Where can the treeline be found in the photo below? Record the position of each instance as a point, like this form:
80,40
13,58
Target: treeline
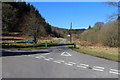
24,18
106,34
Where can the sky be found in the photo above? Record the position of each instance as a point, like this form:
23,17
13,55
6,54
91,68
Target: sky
81,14
70,0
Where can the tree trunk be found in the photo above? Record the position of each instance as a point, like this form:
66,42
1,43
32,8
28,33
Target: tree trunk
35,39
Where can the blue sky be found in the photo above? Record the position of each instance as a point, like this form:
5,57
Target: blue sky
81,14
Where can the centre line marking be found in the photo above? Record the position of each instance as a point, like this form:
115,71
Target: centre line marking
37,57
114,72
69,64
61,61
81,66
42,57
47,59
84,65
97,69
57,62
51,58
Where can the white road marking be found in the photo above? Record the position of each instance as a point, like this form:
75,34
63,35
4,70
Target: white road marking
114,72
51,58
45,54
47,59
81,66
61,61
68,64
28,55
65,54
98,67
42,57
57,62
37,57
84,65
71,62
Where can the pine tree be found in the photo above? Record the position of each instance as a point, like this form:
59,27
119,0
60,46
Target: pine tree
89,27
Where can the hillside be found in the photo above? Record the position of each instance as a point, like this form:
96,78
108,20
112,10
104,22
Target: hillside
18,17
24,18
105,34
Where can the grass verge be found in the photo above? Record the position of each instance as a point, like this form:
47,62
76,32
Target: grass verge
20,44
102,52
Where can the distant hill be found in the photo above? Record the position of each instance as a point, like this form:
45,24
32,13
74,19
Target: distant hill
78,31
64,32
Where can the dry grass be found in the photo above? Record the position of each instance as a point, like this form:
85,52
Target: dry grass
97,47
108,50
97,50
20,41
11,37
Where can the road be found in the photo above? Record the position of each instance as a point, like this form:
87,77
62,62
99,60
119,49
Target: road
58,62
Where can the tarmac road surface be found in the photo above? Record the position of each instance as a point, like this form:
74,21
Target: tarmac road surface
57,62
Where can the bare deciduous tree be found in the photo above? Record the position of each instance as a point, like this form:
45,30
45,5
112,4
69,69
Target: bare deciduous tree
114,4
32,25
116,14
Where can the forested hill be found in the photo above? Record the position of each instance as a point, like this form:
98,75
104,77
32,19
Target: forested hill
24,18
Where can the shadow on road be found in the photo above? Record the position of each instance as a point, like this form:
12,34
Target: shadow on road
6,53
15,46
41,45
64,44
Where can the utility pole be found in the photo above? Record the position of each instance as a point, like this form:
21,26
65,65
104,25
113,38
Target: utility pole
71,32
